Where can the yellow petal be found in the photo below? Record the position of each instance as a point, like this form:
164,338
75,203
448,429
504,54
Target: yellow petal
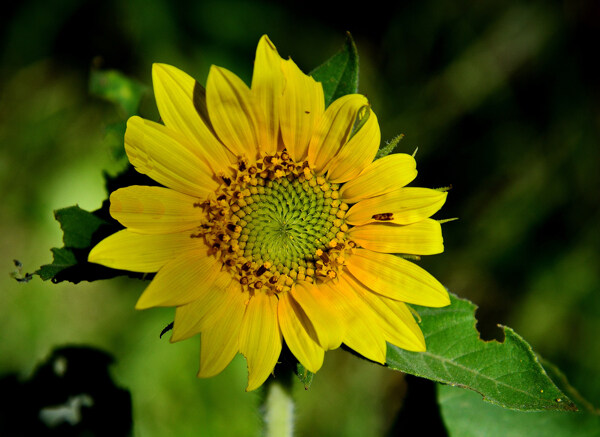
421,238
267,86
166,157
219,342
397,278
295,327
190,318
301,108
403,206
127,250
323,312
260,338
358,152
218,346
155,210
411,337
235,297
382,176
396,321
334,129
363,333
178,97
180,281
232,110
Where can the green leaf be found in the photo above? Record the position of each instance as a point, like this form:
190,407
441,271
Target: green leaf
507,374
563,384
339,74
114,86
82,230
304,375
78,226
63,258
465,415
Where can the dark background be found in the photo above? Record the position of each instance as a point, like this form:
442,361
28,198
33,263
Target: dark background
501,98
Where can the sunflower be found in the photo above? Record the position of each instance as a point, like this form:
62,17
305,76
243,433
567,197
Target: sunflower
274,223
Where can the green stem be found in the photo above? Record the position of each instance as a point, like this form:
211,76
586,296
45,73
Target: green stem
278,410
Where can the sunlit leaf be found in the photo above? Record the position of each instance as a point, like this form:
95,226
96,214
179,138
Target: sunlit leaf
507,374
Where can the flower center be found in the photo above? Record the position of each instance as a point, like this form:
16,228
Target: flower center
275,222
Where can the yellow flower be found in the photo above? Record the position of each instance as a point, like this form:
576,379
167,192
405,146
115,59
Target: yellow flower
274,224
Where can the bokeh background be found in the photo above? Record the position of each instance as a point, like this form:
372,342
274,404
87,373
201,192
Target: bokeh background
501,99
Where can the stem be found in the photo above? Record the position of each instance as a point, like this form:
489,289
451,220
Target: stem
278,410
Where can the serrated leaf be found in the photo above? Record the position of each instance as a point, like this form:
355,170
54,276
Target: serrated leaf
465,415
339,74
114,86
507,374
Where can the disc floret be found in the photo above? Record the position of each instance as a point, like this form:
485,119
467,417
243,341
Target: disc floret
273,222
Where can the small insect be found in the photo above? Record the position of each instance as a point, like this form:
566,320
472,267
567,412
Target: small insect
386,216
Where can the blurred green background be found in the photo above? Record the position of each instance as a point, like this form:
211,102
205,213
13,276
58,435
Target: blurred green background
501,98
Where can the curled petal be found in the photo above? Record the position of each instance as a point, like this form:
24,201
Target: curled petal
382,176
358,152
333,130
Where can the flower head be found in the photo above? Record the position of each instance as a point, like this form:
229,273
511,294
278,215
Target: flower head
274,223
